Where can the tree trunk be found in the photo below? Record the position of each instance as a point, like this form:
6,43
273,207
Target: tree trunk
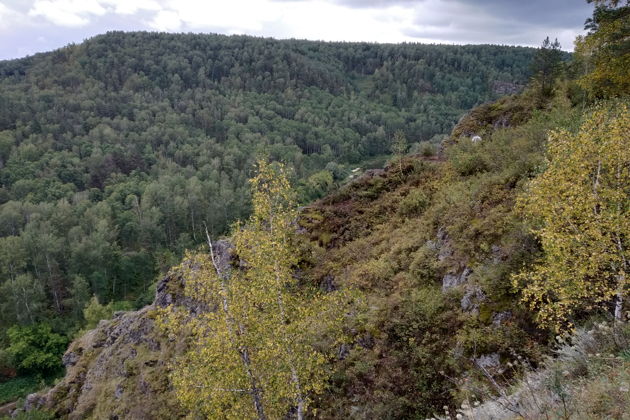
300,398
52,285
621,280
619,307
256,391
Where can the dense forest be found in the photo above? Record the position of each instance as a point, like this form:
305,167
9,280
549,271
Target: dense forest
203,226
117,153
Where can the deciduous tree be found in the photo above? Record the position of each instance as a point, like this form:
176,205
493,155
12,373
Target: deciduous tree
260,348
580,211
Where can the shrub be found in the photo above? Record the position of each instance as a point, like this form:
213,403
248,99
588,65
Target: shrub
36,349
414,203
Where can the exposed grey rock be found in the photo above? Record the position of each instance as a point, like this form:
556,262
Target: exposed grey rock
33,401
329,283
472,298
344,351
119,391
490,362
500,317
444,251
440,245
505,88
497,254
451,280
170,290
118,314
71,358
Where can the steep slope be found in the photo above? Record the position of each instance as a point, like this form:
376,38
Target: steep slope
433,244
430,240
119,370
114,153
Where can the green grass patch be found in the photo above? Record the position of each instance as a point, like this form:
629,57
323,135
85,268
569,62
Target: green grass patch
18,387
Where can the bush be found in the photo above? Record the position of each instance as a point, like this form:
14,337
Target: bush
94,312
414,203
32,415
36,349
424,148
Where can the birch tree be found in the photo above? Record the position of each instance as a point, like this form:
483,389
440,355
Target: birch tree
260,348
580,211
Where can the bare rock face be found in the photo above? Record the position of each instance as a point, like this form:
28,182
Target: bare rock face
451,280
505,88
489,362
119,370
107,365
473,297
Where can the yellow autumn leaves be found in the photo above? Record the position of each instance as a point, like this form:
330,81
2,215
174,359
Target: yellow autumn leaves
579,208
260,347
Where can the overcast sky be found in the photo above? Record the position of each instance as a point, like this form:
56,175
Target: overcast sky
30,26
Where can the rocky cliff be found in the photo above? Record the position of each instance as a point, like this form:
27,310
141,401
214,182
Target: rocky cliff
119,370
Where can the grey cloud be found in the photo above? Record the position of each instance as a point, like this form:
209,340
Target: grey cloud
501,22
375,4
561,13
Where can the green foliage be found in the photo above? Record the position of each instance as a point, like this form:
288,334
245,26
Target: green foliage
414,203
36,349
579,210
425,148
603,55
396,238
317,185
547,67
25,300
32,415
261,351
12,389
95,311
115,153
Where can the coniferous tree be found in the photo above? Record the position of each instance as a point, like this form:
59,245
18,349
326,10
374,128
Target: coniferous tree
547,66
605,50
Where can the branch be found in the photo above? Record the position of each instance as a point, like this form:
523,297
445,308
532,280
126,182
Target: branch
212,257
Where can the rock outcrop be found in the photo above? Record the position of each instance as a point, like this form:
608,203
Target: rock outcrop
119,370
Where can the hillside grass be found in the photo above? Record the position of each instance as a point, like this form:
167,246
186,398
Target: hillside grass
19,387
395,234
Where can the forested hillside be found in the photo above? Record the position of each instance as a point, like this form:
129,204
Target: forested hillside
116,153
484,279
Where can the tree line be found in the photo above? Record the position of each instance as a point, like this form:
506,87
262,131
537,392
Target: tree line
114,153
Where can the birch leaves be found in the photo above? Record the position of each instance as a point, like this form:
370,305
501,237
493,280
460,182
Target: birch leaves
580,209
259,347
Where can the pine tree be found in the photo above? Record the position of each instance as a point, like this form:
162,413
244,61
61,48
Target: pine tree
605,50
547,66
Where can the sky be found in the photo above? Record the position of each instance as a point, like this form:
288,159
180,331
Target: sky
31,26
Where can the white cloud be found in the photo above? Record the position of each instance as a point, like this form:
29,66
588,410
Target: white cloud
67,12
130,7
7,16
316,19
166,20
445,21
